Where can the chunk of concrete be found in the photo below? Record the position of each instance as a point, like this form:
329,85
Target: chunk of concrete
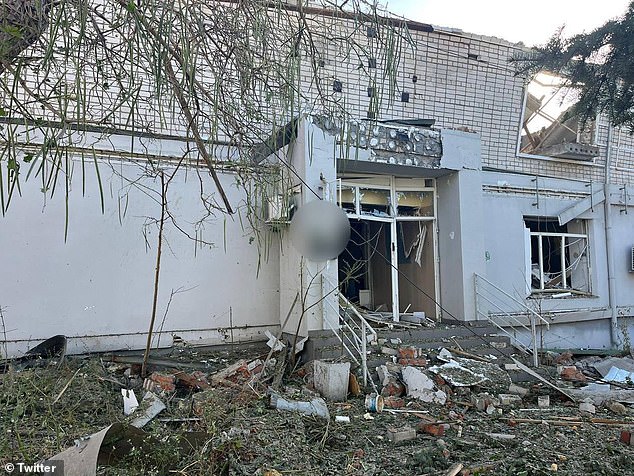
587,407
396,435
331,379
422,387
384,374
484,401
507,399
518,390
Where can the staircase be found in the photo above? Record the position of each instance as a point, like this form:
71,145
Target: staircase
479,338
503,326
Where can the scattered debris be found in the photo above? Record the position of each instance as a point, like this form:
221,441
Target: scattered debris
509,399
158,381
616,366
618,408
353,385
572,374
222,403
274,343
52,348
455,469
374,403
540,378
433,428
518,390
501,436
463,372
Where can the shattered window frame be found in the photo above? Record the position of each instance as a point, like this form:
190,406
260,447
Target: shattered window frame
558,249
545,134
394,192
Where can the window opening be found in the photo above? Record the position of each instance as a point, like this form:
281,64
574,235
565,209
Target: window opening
558,256
547,129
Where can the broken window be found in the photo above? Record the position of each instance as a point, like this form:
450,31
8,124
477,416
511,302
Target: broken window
547,129
415,203
348,199
375,202
559,257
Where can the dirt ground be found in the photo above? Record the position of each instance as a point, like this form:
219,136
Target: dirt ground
43,410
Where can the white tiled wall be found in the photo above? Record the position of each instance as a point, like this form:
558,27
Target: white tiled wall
464,81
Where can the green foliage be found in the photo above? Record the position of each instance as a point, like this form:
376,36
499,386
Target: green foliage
599,65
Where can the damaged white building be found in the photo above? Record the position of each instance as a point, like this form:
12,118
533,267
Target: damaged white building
468,196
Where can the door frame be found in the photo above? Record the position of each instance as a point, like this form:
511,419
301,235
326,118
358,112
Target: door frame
395,185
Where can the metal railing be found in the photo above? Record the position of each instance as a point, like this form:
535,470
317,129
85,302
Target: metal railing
354,333
503,311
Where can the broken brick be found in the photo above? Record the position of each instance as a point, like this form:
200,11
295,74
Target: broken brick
626,437
572,374
432,429
393,402
166,382
407,352
413,362
565,358
195,379
393,388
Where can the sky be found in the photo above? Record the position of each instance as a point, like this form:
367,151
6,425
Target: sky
532,22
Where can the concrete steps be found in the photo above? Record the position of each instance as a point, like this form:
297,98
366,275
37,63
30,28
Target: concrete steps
477,338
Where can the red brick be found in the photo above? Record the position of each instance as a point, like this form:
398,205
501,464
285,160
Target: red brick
413,362
626,437
393,389
573,374
196,379
393,402
407,353
432,429
165,382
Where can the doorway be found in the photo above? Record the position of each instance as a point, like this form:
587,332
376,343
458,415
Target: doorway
389,264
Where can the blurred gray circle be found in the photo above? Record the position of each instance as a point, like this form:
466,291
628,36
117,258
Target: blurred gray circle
320,230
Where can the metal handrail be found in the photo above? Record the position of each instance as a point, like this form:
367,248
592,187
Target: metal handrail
531,314
510,316
359,344
357,314
524,306
518,343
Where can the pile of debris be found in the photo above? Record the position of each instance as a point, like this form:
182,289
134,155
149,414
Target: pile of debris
262,411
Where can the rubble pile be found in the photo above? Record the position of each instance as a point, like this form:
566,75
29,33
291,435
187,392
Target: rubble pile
262,411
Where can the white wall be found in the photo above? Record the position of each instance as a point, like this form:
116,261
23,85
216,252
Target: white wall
97,286
506,208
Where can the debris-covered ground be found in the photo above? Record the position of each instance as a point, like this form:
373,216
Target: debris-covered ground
442,415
